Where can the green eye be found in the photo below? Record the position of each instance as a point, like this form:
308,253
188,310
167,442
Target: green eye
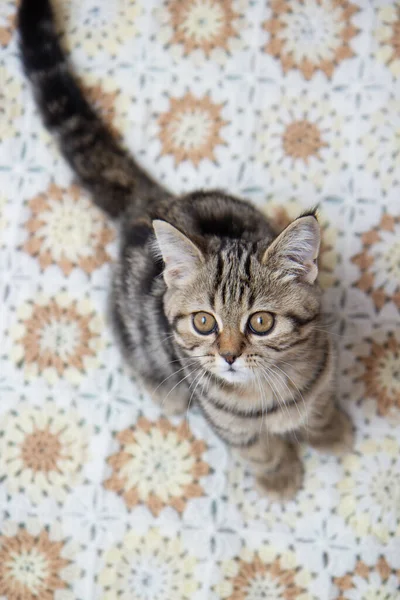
261,323
204,323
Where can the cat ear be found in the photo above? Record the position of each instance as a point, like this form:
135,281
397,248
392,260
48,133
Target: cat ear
181,256
295,250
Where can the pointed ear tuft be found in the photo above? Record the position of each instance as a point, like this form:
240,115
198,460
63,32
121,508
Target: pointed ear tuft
295,250
181,256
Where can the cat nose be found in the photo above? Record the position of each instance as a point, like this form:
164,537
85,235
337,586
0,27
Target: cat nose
229,358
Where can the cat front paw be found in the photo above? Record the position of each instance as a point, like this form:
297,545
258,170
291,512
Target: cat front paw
283,484
336,438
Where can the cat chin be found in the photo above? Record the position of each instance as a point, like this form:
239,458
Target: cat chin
234,376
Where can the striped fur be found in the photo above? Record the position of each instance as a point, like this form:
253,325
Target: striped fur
212,253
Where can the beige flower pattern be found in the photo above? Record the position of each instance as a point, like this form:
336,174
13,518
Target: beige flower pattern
380,145
379,262
387,34
65,229
370,489
249,509
191,129
98,26
43,451
311,36
33,564
143,567
379,582
159,465
11,109
57,337
209,28
281,214
263,573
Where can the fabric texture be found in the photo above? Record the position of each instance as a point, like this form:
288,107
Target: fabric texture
289,104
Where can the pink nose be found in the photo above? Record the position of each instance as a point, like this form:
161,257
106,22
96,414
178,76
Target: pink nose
229,358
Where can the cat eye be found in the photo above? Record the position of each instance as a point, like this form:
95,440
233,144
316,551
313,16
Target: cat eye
204,323
261,323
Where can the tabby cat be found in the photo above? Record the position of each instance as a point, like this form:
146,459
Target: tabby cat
209,303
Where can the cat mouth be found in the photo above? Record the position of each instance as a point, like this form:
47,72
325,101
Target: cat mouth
233,375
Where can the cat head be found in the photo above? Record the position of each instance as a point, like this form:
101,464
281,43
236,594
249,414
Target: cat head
240,308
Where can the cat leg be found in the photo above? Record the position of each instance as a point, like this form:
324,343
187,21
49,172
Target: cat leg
329,429
276,465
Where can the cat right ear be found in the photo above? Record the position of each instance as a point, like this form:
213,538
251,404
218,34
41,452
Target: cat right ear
295,251
180,255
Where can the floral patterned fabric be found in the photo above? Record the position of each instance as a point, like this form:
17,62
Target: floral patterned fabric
290,103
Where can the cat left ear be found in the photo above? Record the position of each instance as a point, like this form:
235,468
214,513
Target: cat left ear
181,256
295,250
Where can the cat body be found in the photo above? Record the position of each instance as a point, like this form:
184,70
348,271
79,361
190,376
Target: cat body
209,303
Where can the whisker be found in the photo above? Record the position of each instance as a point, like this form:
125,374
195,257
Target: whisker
300,394
341,335
185,358
199,378
176,385
280,378
280,398
261,398
171,375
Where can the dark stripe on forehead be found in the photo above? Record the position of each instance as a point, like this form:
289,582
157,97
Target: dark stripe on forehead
247,263
219,269
234,271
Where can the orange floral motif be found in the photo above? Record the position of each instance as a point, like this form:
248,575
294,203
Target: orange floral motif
302,139
263,574
56,337
158,464
202,24
67,230
379,581
31,566
42,451
268,577
191,129
379,262
299,139
382,373
311,36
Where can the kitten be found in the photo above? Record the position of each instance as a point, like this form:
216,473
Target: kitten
209,304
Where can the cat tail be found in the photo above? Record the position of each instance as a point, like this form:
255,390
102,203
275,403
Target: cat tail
101,164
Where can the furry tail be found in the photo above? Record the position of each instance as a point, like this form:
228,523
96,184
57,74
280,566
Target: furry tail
94,154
